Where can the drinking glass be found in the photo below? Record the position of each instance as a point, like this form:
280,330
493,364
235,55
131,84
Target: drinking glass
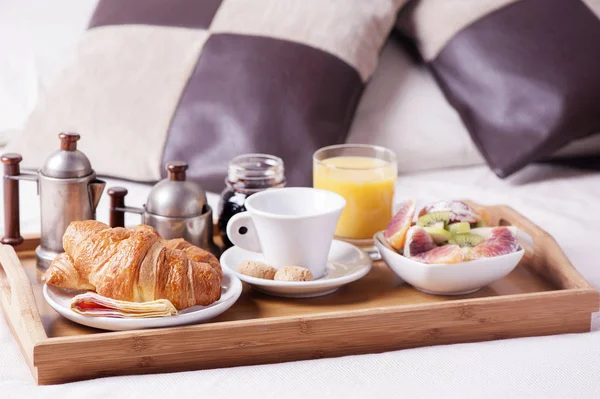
365,175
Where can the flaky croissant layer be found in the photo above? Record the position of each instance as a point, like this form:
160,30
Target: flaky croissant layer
135,265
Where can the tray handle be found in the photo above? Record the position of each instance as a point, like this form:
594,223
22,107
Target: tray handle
545,257
18,301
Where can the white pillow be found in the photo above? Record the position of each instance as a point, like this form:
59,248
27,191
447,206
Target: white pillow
37,36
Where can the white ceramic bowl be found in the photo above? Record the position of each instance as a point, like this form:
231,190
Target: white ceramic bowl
450,279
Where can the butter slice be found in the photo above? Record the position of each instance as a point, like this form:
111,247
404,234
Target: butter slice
92,304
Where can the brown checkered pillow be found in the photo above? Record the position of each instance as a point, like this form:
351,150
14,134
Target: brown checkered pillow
523,74
203,81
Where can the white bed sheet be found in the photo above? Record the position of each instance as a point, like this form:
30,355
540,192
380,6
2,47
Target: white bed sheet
562,201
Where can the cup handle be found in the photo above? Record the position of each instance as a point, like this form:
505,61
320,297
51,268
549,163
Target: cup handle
242,233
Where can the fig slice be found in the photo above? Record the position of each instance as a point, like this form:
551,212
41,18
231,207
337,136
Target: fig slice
395,233
486,232
459,211
440,206
445,254
417,241
501,241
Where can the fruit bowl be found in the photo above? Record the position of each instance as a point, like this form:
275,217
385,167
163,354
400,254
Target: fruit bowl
450,279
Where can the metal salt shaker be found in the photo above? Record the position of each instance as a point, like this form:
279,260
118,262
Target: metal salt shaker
176,208
68,190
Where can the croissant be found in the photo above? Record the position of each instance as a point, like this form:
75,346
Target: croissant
135,265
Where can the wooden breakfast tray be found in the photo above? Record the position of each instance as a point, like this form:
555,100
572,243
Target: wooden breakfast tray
544,295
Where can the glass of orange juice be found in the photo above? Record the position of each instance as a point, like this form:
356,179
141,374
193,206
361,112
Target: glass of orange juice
365,175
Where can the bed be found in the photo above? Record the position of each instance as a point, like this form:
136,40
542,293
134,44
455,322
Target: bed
561,200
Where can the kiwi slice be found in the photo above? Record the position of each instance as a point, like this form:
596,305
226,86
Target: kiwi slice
459,228
434,219
439,235
467,239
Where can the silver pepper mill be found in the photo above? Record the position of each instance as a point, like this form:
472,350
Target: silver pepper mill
176,208
68,190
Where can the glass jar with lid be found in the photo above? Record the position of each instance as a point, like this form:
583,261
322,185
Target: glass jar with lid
246,175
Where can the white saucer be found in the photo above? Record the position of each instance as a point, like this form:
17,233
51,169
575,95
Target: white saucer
346,263
60,300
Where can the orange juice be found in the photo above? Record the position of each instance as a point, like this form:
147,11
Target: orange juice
367,184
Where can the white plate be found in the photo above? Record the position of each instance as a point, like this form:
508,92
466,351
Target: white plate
450,279
60,300
345,264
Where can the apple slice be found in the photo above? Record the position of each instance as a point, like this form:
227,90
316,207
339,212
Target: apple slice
459,228
439,235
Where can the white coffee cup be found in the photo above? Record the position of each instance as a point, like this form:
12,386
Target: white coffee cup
291,226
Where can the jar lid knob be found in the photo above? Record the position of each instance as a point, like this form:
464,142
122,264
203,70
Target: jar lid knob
177,170
68,141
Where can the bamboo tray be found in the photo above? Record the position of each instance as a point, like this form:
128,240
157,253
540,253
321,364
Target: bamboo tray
544,295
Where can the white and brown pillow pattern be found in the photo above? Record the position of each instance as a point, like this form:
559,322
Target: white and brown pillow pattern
203,81
523,74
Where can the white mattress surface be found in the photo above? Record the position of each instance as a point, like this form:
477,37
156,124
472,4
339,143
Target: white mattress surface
562,201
